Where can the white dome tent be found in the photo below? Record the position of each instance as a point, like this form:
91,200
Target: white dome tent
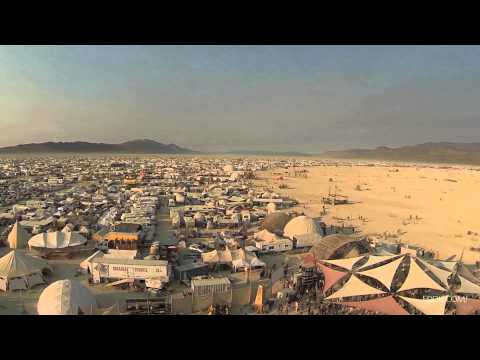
300,225
58,241
66,297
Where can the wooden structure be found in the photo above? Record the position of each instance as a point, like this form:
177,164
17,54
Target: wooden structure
122,240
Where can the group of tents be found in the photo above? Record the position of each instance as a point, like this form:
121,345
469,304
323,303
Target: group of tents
44,243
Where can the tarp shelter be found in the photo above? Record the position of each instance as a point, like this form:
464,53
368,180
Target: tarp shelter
418,279
19,271
66,297
431,306
384,273
354,287
18,237
385,305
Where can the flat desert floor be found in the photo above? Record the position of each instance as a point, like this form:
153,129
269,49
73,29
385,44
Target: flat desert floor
435,208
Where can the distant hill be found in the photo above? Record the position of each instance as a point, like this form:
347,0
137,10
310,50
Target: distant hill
143,146
267,153
441,152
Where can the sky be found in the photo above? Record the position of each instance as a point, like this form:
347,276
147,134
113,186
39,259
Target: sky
227,98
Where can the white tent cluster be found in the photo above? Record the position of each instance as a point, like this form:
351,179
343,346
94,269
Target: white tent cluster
384,270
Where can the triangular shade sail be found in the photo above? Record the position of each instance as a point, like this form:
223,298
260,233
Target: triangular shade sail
331,276
418,279
450,265
384,273
434,306
355,287
468,287
468,307
385,305
375,259
344,263
442,275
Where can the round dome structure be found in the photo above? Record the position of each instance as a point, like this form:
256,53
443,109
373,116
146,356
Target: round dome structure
275,222
300,225
66,297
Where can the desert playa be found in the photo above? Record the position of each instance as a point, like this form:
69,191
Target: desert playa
431,206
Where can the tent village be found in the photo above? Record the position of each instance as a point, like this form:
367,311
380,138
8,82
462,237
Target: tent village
201,236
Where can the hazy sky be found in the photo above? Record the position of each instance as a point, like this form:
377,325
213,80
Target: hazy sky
216,98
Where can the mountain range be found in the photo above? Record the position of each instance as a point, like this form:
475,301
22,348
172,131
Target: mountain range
432,152
143,146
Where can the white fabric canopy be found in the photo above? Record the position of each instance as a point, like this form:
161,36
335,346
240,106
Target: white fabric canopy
355,287
434,306
417,278
344,263
442,275
450,265
384,273
57,240
66,297
468,287
375,259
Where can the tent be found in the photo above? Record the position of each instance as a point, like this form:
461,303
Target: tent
18,237
20,272
66,297
51,241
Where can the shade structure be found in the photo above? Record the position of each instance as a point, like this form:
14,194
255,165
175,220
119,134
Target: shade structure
344,263
468,306
441,274
331,276
265,235
57,240
450,265
433,306
384,273
18,237
355,287
468,287
375,259
418,279
66,297
385,305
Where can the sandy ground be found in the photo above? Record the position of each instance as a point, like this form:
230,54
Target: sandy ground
446,202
